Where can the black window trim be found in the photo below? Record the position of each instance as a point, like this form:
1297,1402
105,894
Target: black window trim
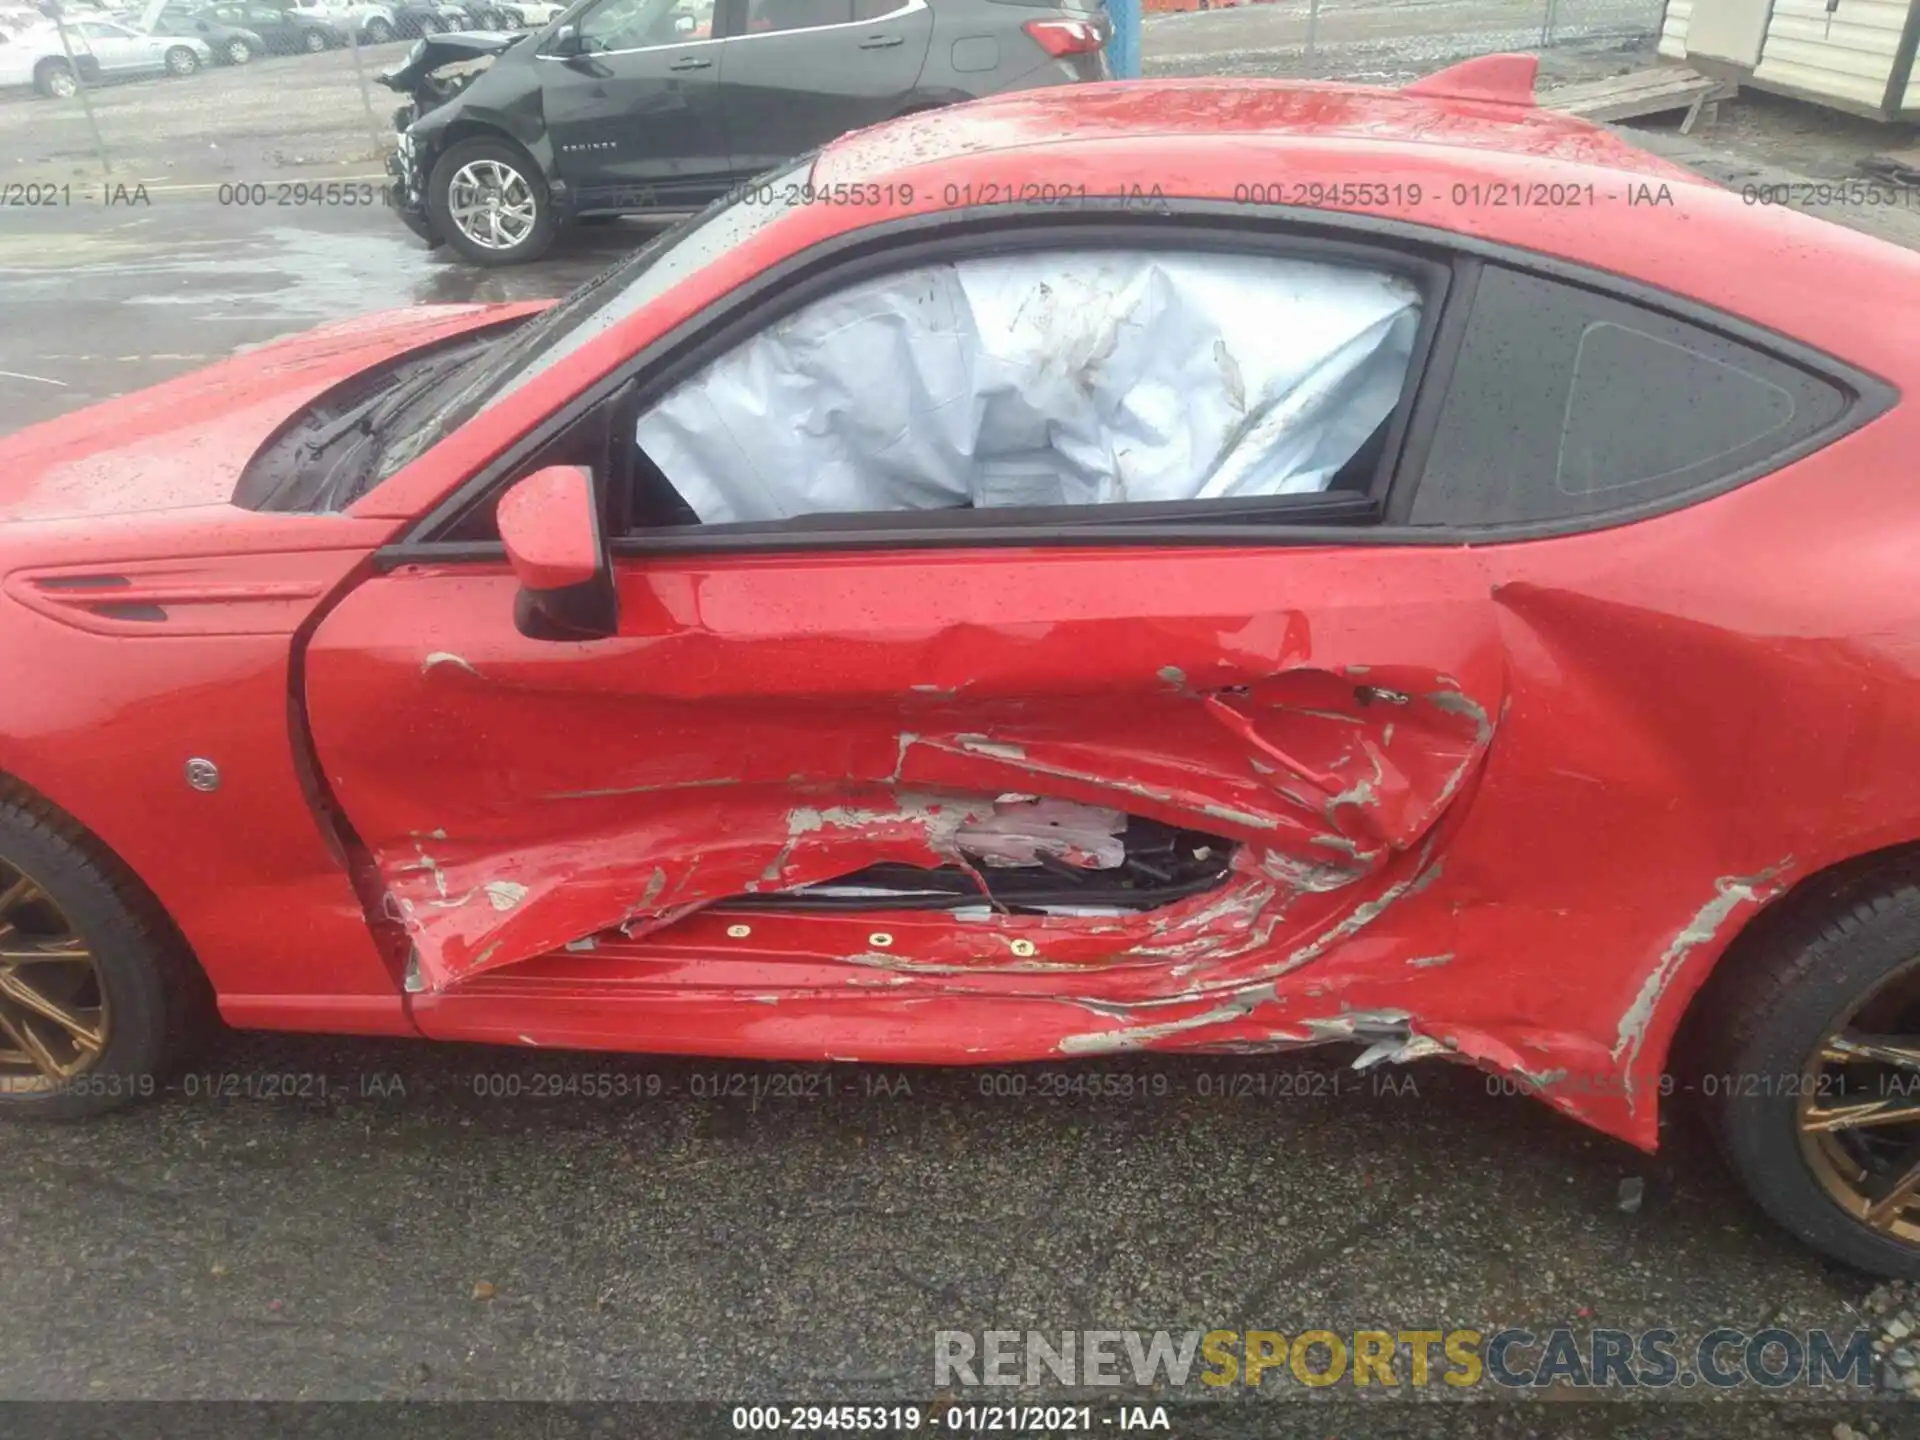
1220,225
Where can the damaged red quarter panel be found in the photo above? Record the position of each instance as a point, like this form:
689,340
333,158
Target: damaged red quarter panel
1205,616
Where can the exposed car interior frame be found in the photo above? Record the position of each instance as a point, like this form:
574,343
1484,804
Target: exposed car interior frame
1336,517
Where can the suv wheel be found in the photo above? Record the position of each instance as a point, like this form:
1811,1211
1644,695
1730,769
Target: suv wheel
379,32
490,202
314,41
239,52
182,61
1812,1075
55,78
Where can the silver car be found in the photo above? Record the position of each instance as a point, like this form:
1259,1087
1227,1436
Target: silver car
102,49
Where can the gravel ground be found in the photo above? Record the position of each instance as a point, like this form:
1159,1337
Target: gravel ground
290,115
456,1225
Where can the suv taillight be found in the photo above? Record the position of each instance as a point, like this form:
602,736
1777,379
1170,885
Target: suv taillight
1065,37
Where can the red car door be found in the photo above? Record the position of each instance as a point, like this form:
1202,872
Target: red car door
767,721
780,717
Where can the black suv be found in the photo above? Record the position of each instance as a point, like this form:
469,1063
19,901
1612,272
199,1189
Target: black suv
632,106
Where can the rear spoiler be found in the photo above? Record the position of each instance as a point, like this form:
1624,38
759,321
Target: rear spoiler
1490,79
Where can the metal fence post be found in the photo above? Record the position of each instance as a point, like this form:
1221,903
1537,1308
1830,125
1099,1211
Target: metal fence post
360,74
1313,35
55,12
1124,49
1546,24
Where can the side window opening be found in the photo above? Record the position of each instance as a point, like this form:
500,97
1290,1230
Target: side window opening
1036,380
634,25
1565,404
767,16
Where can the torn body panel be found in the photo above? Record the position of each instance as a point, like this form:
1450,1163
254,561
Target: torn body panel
769,724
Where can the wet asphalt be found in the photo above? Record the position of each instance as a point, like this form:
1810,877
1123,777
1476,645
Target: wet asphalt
331,1219
324,1219
97,300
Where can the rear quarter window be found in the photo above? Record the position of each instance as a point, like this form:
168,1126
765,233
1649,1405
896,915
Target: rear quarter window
1566,404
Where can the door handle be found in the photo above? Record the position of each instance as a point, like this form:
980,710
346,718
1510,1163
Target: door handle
881,42
691,62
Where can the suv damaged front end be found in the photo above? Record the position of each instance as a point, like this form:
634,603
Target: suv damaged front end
437,70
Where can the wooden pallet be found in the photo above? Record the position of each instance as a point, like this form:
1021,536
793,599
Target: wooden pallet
1900,166
1653,91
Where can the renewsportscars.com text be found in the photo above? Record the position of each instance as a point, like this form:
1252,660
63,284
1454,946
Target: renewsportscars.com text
1512,1358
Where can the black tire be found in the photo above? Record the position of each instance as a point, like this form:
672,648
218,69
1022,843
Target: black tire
238,52
485,150
181,61
313,42
419,226
55,79
1767,1008
379,32
160,1005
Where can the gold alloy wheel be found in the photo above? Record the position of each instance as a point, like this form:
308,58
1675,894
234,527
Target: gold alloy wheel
1859,1108
53,1011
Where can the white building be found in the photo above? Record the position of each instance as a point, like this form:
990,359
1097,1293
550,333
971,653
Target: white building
1855,55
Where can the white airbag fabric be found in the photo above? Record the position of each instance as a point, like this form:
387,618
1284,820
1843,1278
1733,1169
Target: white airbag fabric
1051,378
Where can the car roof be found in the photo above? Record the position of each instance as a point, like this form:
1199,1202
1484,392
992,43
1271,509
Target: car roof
1464,154
1447,109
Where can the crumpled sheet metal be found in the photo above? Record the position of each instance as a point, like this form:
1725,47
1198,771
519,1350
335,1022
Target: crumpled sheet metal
531,879
1055,378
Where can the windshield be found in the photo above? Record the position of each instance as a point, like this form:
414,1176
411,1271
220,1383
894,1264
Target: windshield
597,306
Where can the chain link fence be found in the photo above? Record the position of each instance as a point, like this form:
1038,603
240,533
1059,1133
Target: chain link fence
323,117
1389,42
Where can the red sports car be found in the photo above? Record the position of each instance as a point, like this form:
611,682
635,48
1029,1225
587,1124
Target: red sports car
1191,566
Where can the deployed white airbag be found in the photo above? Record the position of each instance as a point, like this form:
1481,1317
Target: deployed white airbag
1048,378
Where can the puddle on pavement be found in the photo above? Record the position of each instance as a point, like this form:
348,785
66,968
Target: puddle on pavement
290,274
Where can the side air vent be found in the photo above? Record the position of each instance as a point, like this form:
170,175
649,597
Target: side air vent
266,594
82,588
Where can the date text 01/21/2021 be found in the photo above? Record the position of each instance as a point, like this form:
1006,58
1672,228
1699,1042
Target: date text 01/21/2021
1362,194
283,194
1049,1420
